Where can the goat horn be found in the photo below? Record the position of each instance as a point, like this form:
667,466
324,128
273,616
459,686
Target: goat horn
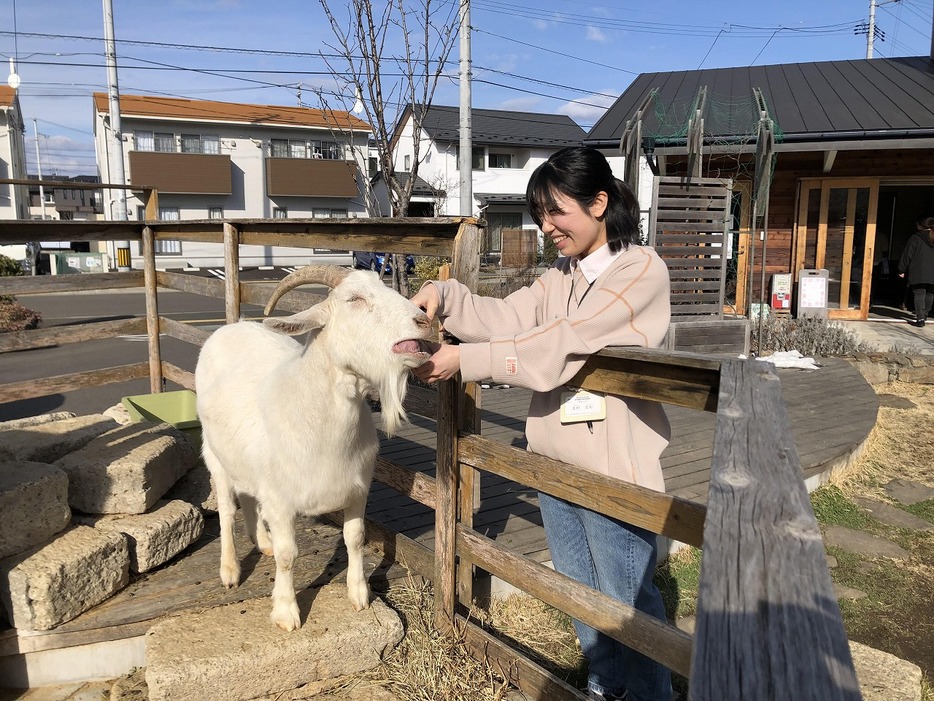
330,275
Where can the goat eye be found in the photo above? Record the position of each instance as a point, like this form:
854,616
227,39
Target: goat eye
357,299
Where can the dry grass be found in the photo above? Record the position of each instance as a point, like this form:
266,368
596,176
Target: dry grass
901,445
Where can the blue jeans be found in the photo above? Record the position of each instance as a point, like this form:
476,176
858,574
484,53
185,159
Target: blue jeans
617,559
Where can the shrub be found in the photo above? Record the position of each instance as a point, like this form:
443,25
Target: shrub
9,267
426,267
808,335
13,315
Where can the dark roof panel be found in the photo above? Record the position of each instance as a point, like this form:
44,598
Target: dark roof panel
867,97
493,127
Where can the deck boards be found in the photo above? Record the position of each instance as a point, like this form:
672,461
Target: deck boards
831,412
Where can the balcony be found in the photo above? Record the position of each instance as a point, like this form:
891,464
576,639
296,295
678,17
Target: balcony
181,173
307,177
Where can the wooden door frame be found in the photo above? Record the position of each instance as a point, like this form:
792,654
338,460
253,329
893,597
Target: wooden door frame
805,185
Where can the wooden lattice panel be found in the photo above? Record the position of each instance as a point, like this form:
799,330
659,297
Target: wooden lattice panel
688,227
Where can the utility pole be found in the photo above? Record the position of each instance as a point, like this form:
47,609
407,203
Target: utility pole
118,172
871,27
35,125
465,158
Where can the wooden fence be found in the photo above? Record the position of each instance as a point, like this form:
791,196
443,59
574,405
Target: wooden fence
768,626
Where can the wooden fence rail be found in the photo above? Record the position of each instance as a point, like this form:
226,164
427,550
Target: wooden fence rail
767,627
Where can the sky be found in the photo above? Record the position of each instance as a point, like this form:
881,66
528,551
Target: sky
572,57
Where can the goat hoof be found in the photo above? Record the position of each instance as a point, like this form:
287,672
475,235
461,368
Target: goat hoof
230,577
287,619
359,597
266,551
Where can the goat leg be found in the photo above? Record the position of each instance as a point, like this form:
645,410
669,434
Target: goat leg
284,606
357,589
255,528
226,511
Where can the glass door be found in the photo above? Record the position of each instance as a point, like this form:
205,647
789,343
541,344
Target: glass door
836,231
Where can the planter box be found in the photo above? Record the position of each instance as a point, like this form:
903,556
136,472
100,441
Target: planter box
176,408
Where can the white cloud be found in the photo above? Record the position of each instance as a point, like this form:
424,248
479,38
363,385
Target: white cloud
587,109
529,103
595,34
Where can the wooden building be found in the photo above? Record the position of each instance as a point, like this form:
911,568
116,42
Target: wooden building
830,164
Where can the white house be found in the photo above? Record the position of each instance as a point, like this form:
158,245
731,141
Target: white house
507,147
221,160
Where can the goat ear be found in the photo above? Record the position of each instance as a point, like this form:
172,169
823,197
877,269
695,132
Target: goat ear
300,323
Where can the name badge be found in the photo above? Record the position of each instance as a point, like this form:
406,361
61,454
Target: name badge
581,405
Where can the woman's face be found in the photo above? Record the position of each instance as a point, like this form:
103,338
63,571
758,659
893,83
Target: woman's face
576,231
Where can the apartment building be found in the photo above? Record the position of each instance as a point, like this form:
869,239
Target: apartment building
222,160
507,147
14,199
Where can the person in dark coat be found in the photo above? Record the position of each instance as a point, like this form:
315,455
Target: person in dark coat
918,262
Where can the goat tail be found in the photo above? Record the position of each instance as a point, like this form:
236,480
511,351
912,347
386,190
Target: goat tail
391,398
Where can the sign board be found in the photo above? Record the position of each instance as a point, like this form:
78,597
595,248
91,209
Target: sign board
781,291
812,293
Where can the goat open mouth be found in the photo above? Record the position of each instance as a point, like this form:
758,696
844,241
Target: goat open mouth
411,346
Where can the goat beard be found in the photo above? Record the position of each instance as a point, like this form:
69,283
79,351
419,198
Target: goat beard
391,396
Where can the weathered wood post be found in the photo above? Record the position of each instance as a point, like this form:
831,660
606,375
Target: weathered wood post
231,273
152,310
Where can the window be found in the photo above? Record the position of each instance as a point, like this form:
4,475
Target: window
288,148
280,213
215,212
320,213
500,160
329,150
211,144
408,164
164,142
279,148
191,143
338,214
143,141
476,158
163,247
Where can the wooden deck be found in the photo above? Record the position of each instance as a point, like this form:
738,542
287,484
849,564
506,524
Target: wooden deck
831,412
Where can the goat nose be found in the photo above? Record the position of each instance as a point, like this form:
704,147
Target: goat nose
422,320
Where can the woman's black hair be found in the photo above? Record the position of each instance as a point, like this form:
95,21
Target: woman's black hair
581,173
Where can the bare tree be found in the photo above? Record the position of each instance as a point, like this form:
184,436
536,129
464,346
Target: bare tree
393,57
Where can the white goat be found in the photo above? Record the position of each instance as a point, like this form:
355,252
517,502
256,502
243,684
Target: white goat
287,427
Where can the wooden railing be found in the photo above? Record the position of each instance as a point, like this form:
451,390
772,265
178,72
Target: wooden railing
768,626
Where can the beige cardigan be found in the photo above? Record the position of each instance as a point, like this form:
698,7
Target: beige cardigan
539,338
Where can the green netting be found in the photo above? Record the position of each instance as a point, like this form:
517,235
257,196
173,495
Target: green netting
728,121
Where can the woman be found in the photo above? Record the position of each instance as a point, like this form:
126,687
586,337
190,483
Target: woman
604,291
918,262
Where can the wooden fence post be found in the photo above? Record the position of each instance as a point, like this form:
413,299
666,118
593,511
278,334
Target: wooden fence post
231,273
152,310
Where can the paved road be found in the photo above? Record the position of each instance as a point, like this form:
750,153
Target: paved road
65,309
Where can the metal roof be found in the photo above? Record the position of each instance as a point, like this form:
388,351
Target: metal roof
501,127
859,100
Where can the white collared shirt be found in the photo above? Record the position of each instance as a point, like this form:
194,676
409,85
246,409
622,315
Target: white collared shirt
594,264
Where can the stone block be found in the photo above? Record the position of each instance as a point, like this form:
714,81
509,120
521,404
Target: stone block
36,420
883,676
128,469
53,583
234,652
155,537
52,440
923,375
873,373
33,504
197,488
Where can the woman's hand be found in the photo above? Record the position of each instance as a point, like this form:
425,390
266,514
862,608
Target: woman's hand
444,363
427,299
